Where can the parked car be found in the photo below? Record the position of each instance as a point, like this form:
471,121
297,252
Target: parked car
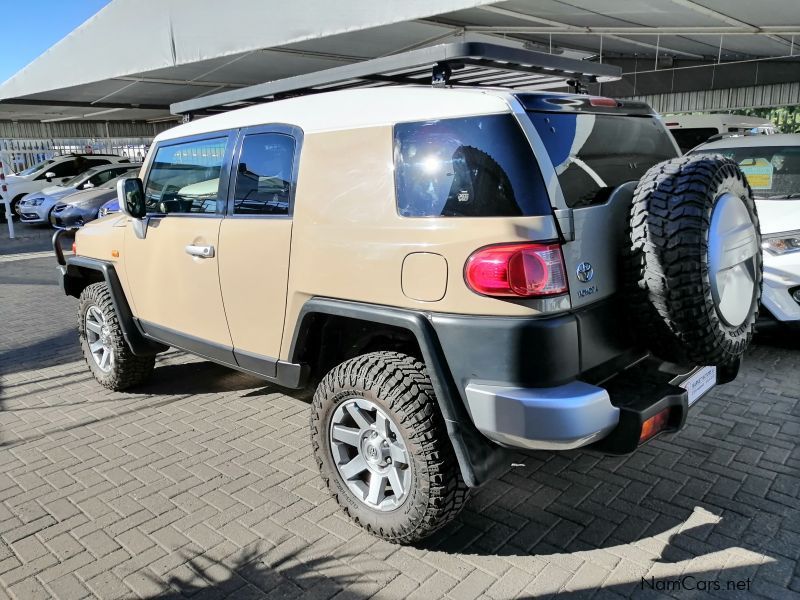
36,207
442,270
109,207
692,130
53,171
772,167
79,208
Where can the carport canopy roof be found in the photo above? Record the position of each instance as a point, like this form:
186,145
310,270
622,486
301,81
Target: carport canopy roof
135,58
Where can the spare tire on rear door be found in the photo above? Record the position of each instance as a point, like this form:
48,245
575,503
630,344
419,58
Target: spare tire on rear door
694,265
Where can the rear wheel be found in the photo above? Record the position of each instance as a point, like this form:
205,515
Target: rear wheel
382,447
109,358
695,265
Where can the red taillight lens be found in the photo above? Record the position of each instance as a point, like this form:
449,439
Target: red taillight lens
520,270
74,248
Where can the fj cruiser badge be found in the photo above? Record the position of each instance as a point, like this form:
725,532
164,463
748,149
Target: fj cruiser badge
585,272
463,196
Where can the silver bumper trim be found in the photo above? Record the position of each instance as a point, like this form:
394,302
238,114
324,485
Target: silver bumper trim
556,418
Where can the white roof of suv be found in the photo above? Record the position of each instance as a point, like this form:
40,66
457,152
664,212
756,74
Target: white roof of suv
349,109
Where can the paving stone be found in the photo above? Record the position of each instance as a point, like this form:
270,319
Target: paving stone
202,483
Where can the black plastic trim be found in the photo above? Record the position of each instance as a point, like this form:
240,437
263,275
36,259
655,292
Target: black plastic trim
478,458
288,375
72,282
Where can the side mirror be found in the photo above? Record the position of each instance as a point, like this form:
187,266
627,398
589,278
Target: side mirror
130,194
49,176
87,186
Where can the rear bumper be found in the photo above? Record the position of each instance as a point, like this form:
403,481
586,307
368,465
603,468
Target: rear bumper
558,418
578,414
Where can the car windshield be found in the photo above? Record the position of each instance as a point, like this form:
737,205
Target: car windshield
772,171
81,177
36,167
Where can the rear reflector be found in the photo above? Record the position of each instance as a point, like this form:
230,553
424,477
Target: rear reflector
518,270
654,424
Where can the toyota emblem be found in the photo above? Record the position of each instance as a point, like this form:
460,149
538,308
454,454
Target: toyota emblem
585,272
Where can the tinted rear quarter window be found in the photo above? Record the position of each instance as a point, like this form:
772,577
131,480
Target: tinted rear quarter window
467,167
594,153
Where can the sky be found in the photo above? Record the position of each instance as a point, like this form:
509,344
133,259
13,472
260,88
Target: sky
29,28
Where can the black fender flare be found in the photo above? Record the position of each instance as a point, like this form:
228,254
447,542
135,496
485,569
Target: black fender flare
478,458
73,282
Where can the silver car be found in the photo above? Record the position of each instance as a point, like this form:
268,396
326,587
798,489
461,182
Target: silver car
79,208
36,207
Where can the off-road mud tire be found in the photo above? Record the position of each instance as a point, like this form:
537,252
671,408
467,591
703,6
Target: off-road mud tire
667,264
399,385
127,369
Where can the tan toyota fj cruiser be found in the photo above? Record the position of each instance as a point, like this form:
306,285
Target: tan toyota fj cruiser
456,271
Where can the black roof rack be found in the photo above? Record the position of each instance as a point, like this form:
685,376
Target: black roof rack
457,64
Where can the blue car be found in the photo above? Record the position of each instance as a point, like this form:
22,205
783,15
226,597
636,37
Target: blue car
109,207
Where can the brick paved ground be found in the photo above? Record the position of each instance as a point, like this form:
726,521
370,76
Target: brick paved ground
201,484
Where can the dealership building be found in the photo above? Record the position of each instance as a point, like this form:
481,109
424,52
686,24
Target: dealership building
138,67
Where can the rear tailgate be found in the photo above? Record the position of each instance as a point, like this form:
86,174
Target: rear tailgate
599,148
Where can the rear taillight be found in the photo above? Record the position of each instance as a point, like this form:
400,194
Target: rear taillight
74,247
518,270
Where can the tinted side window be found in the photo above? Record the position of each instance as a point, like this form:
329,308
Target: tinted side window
96,162
264,175
592,154
108,175
693,136
184,178
468,167
68,168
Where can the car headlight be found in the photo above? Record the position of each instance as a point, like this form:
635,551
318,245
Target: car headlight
36,201
782,244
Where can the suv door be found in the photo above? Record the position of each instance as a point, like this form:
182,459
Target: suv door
255,240
172,273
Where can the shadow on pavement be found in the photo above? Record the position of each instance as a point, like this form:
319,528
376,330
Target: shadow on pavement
251,573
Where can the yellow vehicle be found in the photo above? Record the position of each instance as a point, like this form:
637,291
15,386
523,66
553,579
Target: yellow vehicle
444,266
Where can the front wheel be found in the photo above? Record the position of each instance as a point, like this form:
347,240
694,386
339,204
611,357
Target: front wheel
382,448
109,358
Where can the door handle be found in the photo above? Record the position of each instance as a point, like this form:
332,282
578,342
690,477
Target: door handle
200,251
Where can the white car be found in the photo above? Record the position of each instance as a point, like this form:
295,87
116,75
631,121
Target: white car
36,207
53,171
772,167
691,130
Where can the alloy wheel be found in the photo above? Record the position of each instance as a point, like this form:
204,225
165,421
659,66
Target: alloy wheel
370,454
98,336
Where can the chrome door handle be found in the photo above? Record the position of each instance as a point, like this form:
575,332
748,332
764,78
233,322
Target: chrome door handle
200,251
